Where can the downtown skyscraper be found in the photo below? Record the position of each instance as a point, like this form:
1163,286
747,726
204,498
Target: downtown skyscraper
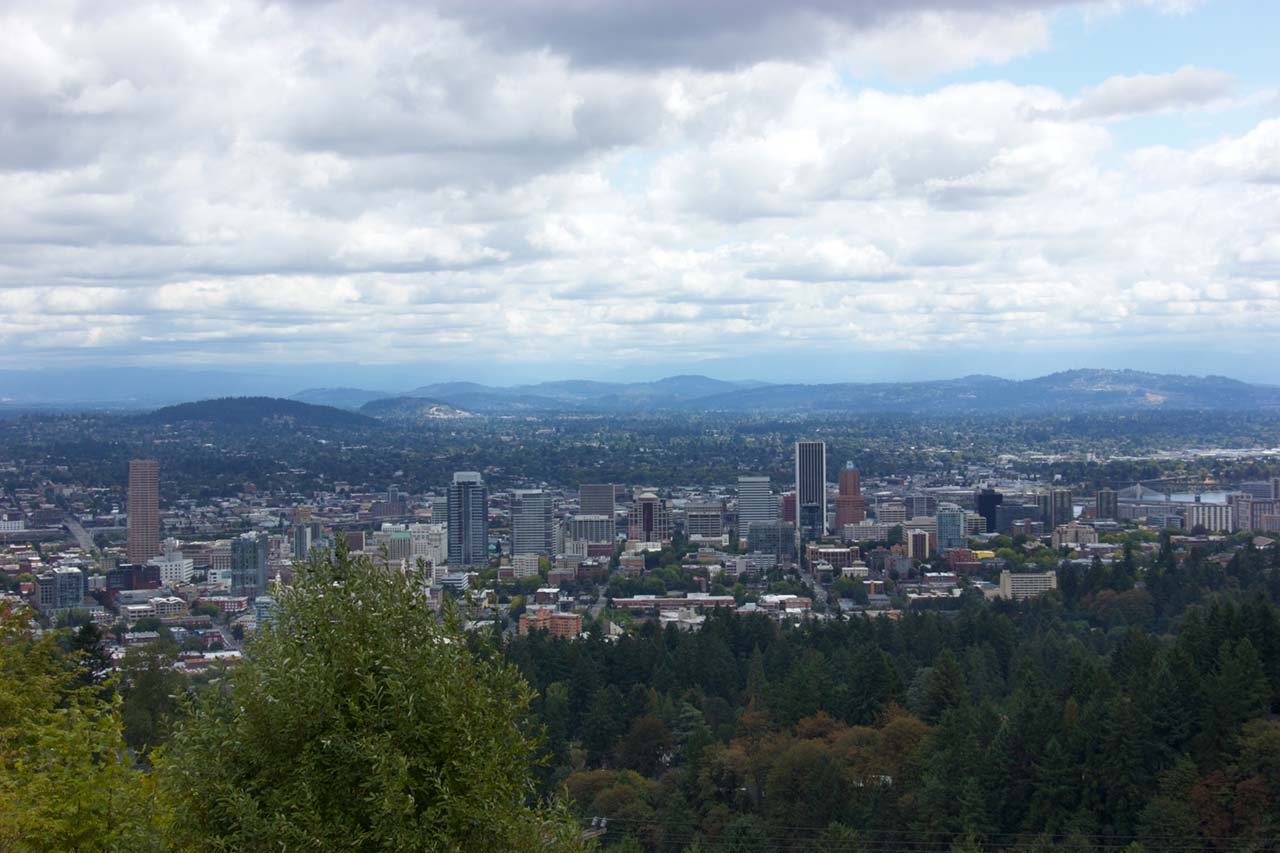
811,489
468,521
144,511
531,522
249,563
851,507
596,499
756,504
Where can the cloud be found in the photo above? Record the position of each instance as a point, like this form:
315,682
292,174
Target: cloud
719,34
1120,96
291,183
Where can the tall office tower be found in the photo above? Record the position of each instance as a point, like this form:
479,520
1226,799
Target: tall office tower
789,507
917,542
301,540
986,501
756,504
1060,501
775,537
144,510
596,499
593,529
249,564
1275,488
1044,507
650,519
951,527
891,512
1107,504
468,521
704,519
531,522
920,505
304,533
851,507
811,489
1241,511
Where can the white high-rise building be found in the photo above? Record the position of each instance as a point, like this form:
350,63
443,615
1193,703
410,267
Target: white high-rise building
174,568
756,504
594,529
531,522
429,542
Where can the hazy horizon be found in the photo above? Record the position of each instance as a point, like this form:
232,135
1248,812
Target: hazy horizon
153,386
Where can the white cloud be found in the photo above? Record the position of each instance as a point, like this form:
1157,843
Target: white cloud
309,182
1186,88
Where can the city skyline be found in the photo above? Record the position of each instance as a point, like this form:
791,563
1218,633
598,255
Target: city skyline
941,187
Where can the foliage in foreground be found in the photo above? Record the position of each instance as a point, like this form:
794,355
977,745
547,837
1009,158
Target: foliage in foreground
359,721
66,779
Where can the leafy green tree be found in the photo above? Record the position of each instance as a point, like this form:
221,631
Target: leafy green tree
151,688
65,778
805,787
745,834
646,746
839,838
359,721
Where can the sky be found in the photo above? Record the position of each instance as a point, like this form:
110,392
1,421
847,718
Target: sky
396,193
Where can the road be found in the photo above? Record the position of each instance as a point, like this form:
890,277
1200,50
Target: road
819,592
77,530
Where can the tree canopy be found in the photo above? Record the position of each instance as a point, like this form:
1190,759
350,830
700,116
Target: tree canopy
359,720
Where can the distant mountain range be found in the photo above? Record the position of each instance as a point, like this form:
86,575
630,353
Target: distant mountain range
1069,391
1072,391
582,395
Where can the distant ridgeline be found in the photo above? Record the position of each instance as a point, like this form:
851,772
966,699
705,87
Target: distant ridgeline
1070,391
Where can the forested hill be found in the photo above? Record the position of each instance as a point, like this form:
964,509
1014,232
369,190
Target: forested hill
1131,710
255,411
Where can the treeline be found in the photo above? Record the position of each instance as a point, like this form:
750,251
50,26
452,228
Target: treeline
1068,723
358,721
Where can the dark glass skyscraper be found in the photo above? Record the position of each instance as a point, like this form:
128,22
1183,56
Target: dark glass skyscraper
811,489
986,501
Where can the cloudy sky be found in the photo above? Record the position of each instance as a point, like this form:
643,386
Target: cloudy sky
816,190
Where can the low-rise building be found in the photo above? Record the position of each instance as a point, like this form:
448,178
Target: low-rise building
169,606
1074,533
1017,586
564,625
